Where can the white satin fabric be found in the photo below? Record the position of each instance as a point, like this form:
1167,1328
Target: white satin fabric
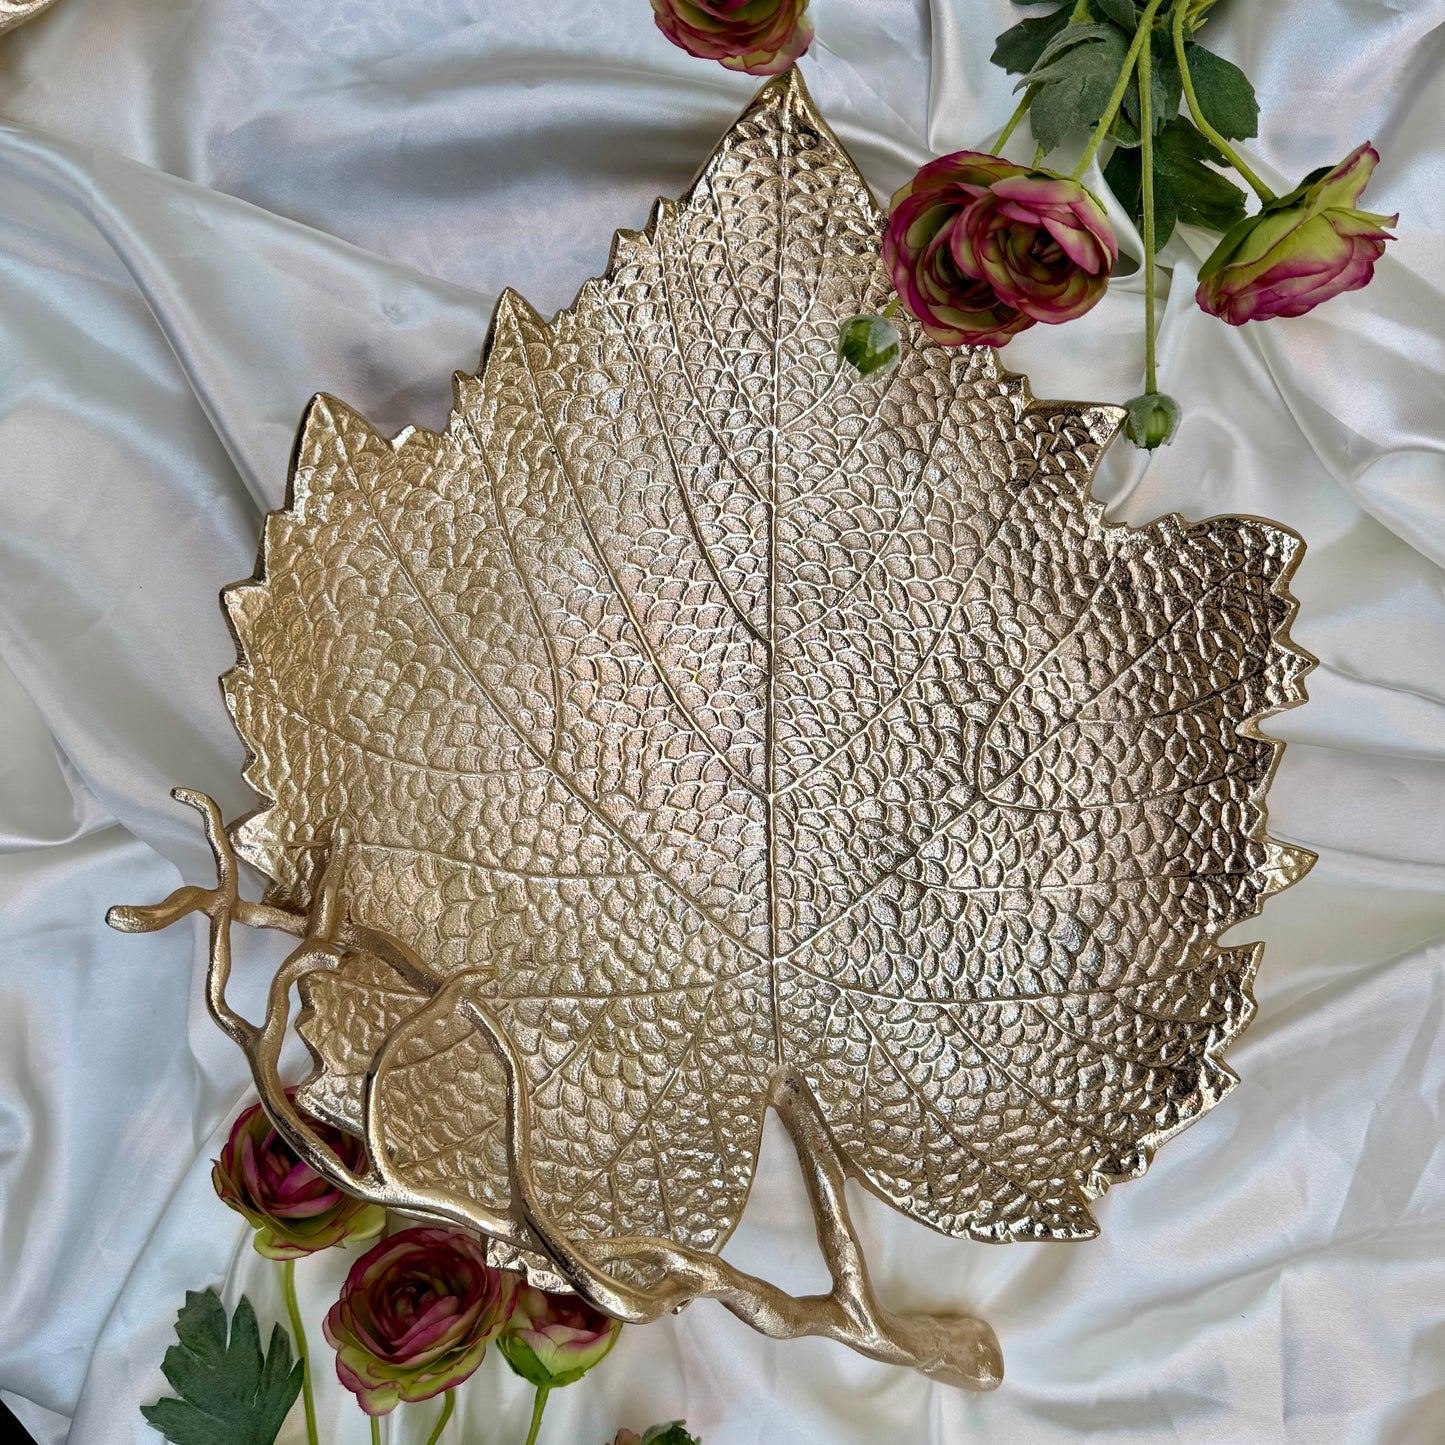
210,209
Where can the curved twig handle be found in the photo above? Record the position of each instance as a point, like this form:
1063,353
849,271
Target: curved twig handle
959,1349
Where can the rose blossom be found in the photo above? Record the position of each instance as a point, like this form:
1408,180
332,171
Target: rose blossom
1300,249
415,1316
761,37
554,1339
293,1210
980,248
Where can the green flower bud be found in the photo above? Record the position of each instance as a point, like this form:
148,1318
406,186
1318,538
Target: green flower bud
869,344
1152,421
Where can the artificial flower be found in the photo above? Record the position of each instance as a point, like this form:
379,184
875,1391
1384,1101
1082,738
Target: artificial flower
293,1210
761,37
554,1339
1300,249
980,248
415,1316
1152,420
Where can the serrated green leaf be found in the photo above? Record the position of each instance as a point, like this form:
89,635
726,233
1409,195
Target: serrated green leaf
1186,188
1055,53
1075,88
201,1324
1224,93
1018,50
227,1393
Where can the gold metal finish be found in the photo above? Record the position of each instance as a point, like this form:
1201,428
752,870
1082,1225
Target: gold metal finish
17,12
693,728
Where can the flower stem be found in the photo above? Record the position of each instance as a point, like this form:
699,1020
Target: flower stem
1015,118
1181,10
1142,33
891,307
288,1289
441,1424
375,1430
1146,186
538,1405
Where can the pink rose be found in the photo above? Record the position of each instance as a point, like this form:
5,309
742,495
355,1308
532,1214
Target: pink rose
981,249
761,37
415,1316
1300,249
554,1339
293,1210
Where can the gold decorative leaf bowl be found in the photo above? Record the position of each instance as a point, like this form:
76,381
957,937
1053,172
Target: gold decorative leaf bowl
694,727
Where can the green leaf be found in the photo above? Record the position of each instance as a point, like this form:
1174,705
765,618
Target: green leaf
1225,95
227,1393
1122,12
1185,187
1067,39
672,1434
1075,85
1018,49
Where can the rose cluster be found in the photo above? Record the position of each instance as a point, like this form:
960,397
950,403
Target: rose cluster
418,1310
417,1313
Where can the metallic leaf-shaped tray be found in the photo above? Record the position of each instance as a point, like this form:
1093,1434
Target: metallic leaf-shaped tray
693,727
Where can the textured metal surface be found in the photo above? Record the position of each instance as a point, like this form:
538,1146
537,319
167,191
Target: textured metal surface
17,12
737,715
708,721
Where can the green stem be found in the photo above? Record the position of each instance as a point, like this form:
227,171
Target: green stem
1014,119
538,1405
891,307
441,1424
1214,137
375,1429
288,1289
1142,33
1146,173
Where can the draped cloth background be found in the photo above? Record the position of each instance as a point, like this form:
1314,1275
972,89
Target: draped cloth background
210,209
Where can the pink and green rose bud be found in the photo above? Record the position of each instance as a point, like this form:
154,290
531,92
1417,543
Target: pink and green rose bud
760,37
554,1339
1300,249
980,249
294,1211
673,1433
415,1317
